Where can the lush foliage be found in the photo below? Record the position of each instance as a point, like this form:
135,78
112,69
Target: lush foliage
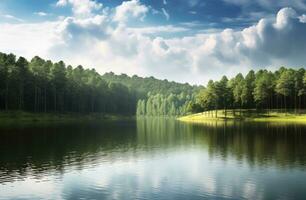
158,97
283,89
44,86
165,105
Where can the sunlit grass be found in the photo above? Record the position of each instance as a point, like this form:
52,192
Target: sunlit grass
247,115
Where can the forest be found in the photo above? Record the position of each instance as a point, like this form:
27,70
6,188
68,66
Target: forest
41,86
284,89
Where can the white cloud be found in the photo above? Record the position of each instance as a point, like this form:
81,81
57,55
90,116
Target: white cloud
61,3
36,39
165,2
302,18
269,4
81,8
128,9
158,29
42,14
166,13
96,41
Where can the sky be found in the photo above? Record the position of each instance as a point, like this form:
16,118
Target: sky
179,40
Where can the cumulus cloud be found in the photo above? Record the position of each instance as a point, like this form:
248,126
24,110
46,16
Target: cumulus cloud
98,40
154,30
81,8
131,8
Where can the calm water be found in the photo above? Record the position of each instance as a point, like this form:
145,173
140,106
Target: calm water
153,159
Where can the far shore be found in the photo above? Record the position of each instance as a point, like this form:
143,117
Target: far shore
19,117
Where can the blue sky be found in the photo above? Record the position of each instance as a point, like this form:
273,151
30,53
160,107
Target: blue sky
182,40
212,13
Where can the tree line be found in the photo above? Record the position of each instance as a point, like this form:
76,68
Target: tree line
283,89
40,85
148,86
43,86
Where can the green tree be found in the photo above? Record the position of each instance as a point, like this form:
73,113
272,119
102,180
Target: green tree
237,87
247,90
285,85
208,97
223,94
58,81
263,88
22,75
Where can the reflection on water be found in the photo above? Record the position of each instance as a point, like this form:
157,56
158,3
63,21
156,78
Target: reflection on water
154,158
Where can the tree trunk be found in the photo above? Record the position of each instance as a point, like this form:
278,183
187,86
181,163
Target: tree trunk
295,104
282,106
300,106
20,97
285,104
55,99
6,95
45,100
35,98
240,109
277,106
38,100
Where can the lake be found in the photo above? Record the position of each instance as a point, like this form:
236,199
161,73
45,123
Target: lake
153,158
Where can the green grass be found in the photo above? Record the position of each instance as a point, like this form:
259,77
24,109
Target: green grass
19,117
247,115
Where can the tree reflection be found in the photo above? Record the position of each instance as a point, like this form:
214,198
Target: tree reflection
39,151
261,144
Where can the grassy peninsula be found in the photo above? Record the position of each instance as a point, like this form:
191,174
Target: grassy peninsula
247,115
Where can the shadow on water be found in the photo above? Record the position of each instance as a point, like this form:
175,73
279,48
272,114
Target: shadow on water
44,149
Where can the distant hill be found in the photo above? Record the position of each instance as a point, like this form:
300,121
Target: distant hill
151,85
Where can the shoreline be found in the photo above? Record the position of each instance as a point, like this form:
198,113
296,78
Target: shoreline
20,117
247,116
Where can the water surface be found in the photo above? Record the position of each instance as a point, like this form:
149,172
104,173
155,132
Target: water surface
153,159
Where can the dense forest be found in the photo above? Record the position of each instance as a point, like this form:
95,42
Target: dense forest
43,86
283,89
158,97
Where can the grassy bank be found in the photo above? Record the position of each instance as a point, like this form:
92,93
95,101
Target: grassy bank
247,115
26,117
